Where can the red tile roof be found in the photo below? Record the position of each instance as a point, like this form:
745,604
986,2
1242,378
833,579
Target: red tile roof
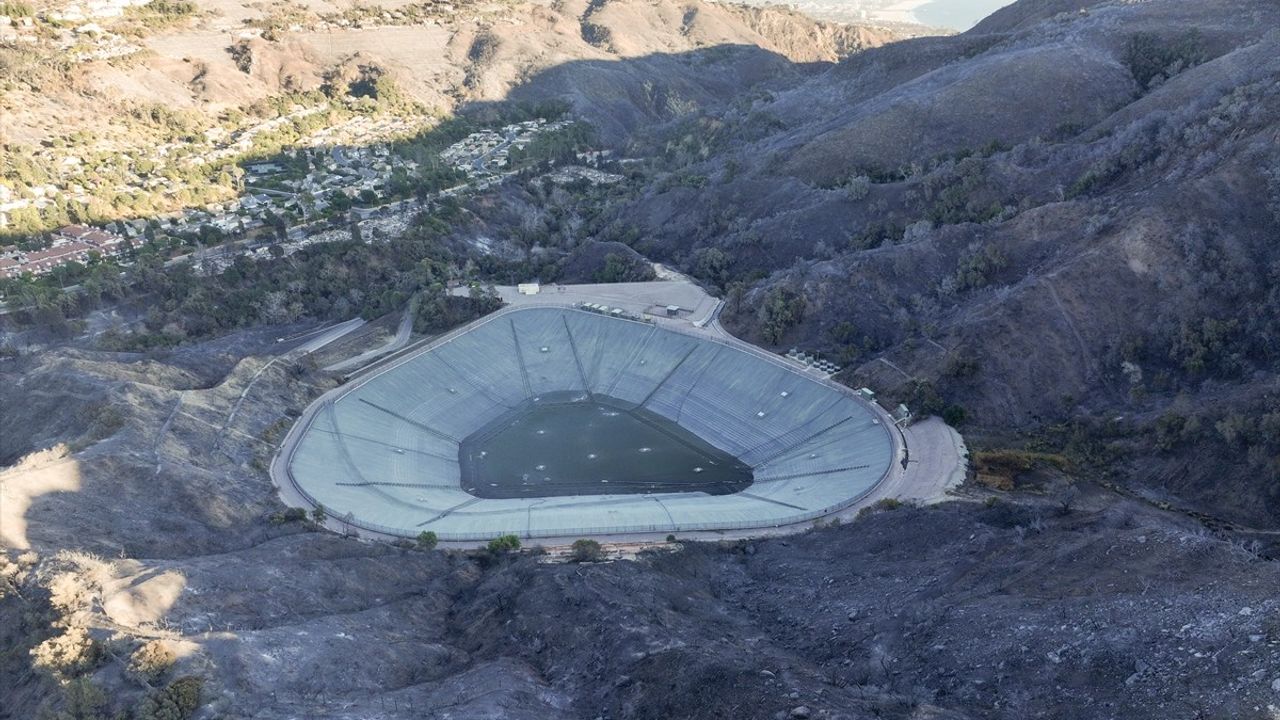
61,251
84,233
42,261
74,232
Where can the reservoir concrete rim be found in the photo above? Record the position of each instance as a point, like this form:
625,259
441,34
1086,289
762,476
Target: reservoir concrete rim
383,452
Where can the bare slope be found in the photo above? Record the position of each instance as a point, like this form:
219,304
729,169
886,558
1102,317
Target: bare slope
1013,224
476,51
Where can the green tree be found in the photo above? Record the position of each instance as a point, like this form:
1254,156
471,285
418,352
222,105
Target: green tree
176,701
783,309
975,268
1152,57
712,264
504,544
82,700
427,540
586,550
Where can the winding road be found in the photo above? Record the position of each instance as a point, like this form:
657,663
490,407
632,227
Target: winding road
403,331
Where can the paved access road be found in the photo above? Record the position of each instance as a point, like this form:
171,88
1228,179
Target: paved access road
328,336
324,337
401,339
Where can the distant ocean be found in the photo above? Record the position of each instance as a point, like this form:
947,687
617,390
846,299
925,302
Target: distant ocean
957,14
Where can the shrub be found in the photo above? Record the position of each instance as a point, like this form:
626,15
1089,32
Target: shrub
16,9
619,269
711,264
70,653
961,367
782,310
598,35
504,544
152,661
484,48
171,7
437,311
1152,58
1169,429
975,268
427,540
318,514
107,419
858,187
1067,498
875,234
158,14
999,469
917,231
1210,346
924,399
289,515
585,550
881,505
993,147
962,202
82,700
954,415
242,54
176,701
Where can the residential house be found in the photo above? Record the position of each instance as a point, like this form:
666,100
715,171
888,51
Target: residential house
9,268
44,261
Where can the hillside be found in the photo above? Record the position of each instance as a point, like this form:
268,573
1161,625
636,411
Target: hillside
230,54
1056,230
1013,223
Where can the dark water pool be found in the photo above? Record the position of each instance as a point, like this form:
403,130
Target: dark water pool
592,446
